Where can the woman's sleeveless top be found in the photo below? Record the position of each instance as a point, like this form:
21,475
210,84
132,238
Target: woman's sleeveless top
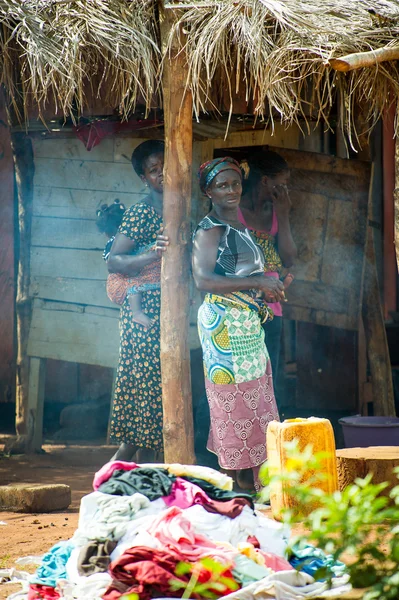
238,254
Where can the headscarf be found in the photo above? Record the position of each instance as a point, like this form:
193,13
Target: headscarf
208,171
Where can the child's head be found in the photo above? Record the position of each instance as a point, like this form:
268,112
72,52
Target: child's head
109,217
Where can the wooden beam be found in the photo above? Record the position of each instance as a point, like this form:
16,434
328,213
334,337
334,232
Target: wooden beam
376,337
390,169
175,279
24,171
359,60
396,211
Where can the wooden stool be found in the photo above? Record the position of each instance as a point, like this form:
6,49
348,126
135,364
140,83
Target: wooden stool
358,462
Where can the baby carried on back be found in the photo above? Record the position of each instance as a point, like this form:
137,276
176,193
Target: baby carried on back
120,287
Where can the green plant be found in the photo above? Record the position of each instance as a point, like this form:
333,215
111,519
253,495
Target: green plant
209,579
357,524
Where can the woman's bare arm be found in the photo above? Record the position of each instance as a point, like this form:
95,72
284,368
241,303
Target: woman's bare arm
205,249
121,260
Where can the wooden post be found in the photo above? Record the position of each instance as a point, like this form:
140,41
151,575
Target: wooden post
37,376
396,202
178,429
374,327
390,168
24,171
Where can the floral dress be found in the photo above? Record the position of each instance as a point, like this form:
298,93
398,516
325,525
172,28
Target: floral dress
137,407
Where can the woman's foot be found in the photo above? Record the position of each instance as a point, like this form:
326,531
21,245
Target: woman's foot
245,479
125,452
140,317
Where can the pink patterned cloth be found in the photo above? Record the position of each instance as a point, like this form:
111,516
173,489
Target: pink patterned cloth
175,532
185,494
108,470
240,414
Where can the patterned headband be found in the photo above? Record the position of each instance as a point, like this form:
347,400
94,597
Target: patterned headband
208,171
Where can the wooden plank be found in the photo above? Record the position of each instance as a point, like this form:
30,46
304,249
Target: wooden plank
178,431
324,163
85,175
376,338
306,209
66,289
326,374
73,148
75,204
281,137
75,337
37,377
53,232
318,296
342,260
332,185
124,146
7,257
68,263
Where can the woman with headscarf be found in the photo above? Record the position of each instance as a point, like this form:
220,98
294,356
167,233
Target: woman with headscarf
265,211
229,266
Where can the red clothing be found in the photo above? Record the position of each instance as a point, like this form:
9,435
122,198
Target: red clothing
42,592
146,571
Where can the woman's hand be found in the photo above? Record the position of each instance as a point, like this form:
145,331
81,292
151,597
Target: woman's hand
281,199
271,288
162,243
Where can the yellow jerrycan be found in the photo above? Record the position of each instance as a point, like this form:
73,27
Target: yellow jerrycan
317,432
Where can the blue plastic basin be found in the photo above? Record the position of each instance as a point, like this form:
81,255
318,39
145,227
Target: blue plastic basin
361,432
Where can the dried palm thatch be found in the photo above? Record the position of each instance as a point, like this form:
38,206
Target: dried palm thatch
276,52
54,49
280,50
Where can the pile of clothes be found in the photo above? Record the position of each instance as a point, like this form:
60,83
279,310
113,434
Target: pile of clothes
159,531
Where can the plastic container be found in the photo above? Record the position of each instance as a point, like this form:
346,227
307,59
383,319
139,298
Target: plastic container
317,432
361,432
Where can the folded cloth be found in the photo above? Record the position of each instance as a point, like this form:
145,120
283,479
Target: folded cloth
216,493
152,483
148,572
95,557
309,559
184,494
53,564
246,571
109,468
37,591
109,517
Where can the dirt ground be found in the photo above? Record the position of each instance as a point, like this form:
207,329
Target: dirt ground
33,534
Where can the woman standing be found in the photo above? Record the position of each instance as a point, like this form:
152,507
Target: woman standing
136,420
229,266
265,210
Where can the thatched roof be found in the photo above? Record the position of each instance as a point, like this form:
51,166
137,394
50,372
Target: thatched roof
275,52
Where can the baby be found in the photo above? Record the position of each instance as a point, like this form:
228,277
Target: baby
120,287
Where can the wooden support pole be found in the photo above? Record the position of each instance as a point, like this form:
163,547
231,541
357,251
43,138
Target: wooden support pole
175,279
37,376
359,60
396,204
376,337
24,171
390,169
